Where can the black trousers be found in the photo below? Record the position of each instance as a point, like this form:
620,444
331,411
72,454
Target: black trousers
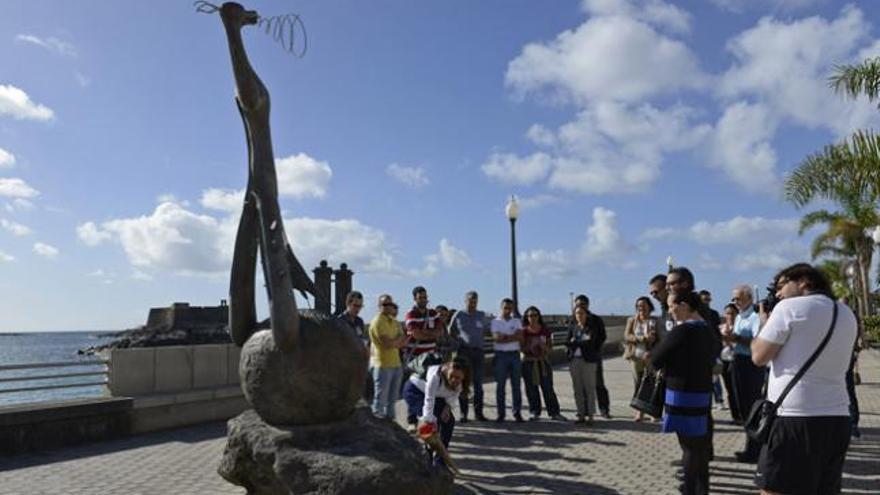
727,378
853,398
601,391
748,380
695,461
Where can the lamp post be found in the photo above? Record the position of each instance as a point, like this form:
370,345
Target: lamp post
512,212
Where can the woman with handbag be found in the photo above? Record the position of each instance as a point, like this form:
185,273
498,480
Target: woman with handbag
686,356
638,337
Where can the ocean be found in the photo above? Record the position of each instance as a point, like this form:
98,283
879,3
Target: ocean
48,347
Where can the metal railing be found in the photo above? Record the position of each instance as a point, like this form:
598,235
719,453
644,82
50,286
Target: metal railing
61,377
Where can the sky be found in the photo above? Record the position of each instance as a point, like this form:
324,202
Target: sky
629,130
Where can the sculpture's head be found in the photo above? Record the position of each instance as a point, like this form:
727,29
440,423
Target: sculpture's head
236,14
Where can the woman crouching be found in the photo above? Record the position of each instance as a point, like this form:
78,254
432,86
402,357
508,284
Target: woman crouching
432,392
686,356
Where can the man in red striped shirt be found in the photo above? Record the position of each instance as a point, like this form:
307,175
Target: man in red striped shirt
423,325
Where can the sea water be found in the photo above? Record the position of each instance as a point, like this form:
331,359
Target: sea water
49,347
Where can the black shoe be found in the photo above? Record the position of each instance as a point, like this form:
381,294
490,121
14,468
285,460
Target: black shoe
606,414
499,419
745,457
479,417
518,417
463,420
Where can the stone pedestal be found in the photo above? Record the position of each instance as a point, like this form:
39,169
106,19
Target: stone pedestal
360,455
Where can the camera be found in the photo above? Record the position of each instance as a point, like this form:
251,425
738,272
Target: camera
770,301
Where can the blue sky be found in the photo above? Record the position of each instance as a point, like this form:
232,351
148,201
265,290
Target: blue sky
631,130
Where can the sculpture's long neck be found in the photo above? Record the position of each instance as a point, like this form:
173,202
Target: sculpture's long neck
249,88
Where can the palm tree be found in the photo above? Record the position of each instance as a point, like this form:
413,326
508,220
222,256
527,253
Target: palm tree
847,173
845,239
857,79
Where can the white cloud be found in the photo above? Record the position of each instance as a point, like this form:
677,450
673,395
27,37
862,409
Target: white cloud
142,276
91,235
16,188
656,12
604,242
223,199
50,43
609,148
18,204
176,240
537,201
708,262
6,258
173,239
741,146
508,168
740,6
540,265
17,104
607,57
15,229
739,231
7,159
772,257
302,176
785,65
453,257
411,176
45,250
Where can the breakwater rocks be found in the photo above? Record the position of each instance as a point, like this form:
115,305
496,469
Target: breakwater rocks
178,324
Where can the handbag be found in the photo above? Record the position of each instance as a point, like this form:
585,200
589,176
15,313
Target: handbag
763,412
651,395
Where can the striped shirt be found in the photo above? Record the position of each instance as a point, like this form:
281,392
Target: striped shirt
426,320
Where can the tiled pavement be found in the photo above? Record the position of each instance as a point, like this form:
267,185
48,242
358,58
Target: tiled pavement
614,456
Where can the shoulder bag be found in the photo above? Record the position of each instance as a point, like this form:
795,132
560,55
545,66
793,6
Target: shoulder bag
763,412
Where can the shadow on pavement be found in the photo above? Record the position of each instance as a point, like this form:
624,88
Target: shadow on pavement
192,434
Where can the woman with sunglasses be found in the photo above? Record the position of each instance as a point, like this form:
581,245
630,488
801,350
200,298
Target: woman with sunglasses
536,370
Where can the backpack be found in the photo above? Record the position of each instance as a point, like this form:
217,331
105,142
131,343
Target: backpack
419,365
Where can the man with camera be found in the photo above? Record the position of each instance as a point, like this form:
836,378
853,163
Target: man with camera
808,440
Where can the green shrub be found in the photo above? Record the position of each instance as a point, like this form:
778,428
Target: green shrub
872,330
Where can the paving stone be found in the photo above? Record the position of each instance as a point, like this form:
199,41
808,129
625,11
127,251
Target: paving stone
616,456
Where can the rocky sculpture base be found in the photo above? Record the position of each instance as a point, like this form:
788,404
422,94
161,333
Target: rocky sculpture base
360,455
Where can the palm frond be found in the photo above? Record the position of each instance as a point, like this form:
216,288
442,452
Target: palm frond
857,79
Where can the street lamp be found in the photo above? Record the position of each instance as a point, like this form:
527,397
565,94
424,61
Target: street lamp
512,212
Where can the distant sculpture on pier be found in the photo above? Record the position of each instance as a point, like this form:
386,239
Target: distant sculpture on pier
304,376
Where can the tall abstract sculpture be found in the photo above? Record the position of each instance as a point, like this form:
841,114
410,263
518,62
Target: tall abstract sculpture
305,374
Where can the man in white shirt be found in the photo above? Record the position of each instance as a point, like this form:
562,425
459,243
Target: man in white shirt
507,334
809,439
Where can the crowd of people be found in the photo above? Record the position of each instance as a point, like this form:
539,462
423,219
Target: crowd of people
786,356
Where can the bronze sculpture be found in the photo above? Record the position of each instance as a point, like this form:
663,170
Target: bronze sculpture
283,371
304,376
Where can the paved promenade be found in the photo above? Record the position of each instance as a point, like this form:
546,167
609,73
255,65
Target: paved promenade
614,456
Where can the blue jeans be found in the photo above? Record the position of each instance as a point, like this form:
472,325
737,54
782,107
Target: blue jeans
508,365
475,357
415,401
387,383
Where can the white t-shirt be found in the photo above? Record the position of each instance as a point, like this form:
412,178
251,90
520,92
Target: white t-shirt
433,388
799,324
506,327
